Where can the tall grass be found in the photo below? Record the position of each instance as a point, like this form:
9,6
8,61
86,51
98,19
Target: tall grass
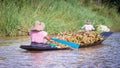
107,12
58,15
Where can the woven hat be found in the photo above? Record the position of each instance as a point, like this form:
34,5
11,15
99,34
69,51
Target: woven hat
38,26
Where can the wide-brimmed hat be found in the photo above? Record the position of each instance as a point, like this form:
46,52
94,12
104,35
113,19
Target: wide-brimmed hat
38,26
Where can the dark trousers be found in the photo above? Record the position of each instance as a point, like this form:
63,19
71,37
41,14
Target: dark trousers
44,45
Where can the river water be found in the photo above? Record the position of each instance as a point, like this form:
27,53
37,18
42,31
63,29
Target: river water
106,55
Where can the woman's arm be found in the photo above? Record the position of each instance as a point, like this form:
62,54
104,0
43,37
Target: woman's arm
48,38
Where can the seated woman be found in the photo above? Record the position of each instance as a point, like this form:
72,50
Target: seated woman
38,35
88,26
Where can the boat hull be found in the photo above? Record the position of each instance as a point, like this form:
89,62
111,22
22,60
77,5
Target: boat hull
37,48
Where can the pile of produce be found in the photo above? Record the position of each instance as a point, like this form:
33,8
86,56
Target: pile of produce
84,38
102,28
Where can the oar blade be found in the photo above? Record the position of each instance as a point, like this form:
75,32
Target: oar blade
72,44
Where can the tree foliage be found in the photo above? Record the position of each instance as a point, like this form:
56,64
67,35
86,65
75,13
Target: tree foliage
112,3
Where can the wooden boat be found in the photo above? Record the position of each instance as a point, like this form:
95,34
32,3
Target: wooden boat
105,35
37,48
93,44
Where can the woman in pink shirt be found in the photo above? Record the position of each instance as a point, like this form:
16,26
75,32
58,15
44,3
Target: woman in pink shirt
38,35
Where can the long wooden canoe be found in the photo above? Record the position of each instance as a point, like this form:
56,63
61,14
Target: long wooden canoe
37,48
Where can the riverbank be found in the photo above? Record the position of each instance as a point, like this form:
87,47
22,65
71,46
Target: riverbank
58,15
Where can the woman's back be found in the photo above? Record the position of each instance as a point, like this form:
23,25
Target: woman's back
37,36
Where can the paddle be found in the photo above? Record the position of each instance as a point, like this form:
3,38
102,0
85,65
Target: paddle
71,44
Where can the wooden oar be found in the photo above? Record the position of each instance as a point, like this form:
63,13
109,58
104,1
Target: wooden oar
71,44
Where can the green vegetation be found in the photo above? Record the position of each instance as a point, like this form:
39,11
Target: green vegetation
58,15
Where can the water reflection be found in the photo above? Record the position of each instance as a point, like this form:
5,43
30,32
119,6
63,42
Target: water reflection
37,59
64,59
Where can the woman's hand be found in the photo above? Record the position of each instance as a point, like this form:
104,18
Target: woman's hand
51,41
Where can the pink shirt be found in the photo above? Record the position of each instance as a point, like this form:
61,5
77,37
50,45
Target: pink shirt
37,36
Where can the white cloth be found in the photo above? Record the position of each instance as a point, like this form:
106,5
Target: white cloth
88,27
103,28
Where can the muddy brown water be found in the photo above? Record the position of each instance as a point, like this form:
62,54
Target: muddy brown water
106,55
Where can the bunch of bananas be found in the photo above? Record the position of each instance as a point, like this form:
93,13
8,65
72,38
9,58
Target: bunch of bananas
84,38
